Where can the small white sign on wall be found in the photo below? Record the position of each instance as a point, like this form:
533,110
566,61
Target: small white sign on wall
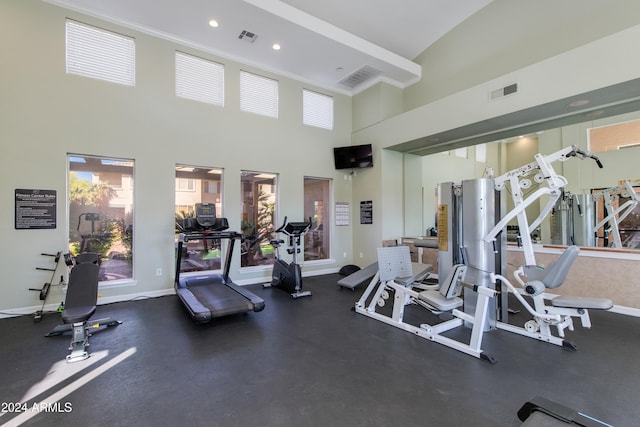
342,213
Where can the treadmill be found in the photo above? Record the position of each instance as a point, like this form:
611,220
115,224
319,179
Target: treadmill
209,295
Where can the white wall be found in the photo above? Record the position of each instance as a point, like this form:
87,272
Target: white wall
509,35
45,114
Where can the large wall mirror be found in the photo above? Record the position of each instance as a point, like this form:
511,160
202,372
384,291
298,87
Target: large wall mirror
599,207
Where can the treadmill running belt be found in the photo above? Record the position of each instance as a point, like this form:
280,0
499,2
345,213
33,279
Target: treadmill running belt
220,299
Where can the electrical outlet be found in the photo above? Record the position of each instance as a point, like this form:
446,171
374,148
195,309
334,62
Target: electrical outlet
158,272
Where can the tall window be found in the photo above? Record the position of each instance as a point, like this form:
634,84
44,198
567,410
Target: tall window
100,54
101,212
198,185
317,109
258,94
317,241
258,213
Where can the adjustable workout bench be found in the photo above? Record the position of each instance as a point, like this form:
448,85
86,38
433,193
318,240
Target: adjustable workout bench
80,305
419,272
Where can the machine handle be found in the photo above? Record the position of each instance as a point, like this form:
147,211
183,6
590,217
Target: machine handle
590,155
598,162
284,224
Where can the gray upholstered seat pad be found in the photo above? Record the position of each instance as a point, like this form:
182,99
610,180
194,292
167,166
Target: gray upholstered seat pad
438,301
582,302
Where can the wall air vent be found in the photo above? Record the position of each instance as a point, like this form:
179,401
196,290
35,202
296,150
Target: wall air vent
248,36
503,91
361,75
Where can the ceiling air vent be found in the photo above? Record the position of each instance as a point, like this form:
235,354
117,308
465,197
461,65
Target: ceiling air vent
248,36
367,72
504,91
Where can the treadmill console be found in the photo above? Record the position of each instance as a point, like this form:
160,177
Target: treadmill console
204,220
205,214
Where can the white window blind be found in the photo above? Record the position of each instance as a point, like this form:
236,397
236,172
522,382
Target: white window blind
258,94
100,54
461,152
199,79
317,109
481,153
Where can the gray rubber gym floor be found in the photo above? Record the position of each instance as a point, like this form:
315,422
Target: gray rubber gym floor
306,362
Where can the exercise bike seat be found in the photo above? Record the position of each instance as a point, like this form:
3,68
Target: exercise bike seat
82,293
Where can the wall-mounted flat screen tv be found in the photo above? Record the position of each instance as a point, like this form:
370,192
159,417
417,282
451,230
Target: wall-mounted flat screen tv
354,156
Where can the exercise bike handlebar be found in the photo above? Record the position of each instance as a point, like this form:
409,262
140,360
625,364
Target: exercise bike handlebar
281,228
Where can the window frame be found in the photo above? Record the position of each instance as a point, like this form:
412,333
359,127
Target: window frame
256,249
122,198
210,258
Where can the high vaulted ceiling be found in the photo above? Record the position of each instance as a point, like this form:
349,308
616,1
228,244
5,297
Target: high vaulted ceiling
341,45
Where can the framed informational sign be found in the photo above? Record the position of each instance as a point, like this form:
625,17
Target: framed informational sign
366,212
35,209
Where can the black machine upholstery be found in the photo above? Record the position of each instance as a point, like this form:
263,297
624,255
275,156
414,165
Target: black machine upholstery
541,412
82,295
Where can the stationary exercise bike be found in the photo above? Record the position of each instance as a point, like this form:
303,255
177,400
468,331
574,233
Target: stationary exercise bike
285,276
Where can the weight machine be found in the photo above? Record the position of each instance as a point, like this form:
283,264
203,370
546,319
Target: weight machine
551,185
465,261
612,215
571,220
532,279
471,257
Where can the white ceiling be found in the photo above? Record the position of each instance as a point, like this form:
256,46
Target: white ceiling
322,42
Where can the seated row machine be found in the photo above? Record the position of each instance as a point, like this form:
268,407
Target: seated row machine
80,305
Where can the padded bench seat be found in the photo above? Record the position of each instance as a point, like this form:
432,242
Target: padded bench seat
582,302
438,301
78,314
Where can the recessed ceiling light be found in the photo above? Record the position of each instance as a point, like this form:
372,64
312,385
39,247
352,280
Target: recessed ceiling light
213,23
276,46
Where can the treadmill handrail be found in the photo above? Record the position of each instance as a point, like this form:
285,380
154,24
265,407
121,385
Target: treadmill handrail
215,235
